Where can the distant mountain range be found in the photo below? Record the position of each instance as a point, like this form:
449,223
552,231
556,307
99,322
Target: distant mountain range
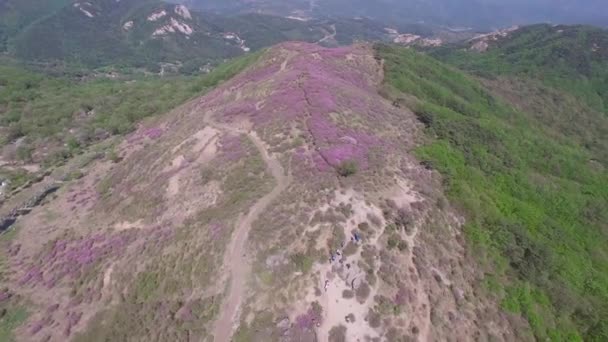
155,35
139,33
479,14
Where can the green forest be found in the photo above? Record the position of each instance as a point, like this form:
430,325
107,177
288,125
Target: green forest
535,198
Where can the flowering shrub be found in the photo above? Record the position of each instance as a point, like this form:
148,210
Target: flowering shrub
72,258
309,319
347,168
154,133
232,147
313,86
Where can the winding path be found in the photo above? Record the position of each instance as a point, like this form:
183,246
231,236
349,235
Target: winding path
329,35
235,259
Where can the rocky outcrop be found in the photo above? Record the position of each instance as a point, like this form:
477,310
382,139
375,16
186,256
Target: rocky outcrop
8,220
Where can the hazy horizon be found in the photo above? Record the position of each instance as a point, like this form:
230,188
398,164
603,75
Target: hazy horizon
470,13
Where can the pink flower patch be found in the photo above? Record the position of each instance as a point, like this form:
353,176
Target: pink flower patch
72,258
154,133
232,147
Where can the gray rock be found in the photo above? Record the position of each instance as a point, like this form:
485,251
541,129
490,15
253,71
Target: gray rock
284,323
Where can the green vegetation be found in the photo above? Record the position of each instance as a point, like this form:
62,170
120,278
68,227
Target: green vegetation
261,31
168,319
61,111
535,198
347,168
337,334
395,241
16,15
16,178
262,323
57,34
10,318
62,33
570,58
5,239
303,262
11,315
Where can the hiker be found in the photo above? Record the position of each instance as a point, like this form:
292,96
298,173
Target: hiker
326,285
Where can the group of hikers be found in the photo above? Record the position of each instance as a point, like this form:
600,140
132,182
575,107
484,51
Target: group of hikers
355,238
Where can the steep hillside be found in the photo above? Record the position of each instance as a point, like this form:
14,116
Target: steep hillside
570,58
140,33
16,15
527,164
285,205
47,120
134,32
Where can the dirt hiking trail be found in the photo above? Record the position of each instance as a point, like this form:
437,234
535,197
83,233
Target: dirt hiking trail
235,260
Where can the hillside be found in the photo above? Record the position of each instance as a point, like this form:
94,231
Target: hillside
306,193
527,164
569,58
138,33
47,120
155,36
285,204
131,33
144,34
16,15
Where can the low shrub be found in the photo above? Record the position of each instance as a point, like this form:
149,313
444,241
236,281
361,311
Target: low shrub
347,168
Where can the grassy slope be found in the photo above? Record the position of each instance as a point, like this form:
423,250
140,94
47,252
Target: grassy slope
537,206
11,314
570,58
47,105
41,107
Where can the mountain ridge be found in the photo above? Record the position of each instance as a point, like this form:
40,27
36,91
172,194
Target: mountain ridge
181,180
307,193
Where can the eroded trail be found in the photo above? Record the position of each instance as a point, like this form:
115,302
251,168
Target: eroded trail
235,259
